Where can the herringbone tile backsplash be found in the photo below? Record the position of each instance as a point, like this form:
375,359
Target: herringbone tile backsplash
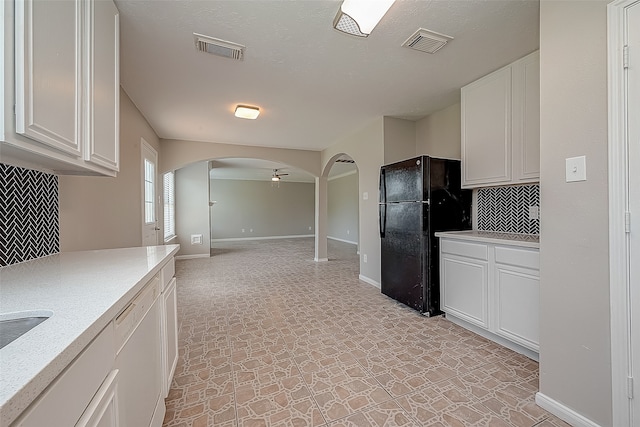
29,226
506,209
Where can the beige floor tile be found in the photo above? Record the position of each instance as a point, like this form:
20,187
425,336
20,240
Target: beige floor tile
268,337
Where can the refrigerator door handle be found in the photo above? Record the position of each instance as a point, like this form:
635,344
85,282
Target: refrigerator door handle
383,186
382,207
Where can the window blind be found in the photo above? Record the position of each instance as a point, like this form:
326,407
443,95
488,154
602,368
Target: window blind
169,205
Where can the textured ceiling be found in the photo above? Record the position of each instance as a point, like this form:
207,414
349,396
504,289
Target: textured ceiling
312,83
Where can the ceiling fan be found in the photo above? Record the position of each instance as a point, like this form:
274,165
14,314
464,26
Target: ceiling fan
276,176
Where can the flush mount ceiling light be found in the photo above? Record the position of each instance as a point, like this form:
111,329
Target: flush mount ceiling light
247,112
359,17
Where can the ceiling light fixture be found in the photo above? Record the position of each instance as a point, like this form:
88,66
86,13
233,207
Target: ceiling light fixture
247,112
275,178
359,17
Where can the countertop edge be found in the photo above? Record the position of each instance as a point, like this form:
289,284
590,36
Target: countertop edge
21,400
487,239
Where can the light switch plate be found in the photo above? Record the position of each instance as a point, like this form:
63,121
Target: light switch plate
533,212
576,169
196,239
365,196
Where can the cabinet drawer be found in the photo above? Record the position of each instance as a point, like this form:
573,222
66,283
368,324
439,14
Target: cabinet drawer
518,257
167,273
465,249
65,400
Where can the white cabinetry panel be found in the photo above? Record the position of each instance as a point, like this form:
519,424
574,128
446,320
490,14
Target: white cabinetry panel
517,306
170,334
501,126
464,289
493,289
486,129
103,409
61,78
526,122
75,387
104,85
49,72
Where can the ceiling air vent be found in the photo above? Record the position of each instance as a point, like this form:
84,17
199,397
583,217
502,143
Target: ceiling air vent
219,47
427,41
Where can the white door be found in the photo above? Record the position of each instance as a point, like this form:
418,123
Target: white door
150,228
633,120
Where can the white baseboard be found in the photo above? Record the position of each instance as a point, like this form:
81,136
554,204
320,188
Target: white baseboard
493,337
239,239
321,259
342,240
562,412
193,256
369,281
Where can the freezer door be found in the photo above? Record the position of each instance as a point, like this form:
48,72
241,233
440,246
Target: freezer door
403,181
402,250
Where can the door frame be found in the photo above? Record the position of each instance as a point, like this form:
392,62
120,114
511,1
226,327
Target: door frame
619,250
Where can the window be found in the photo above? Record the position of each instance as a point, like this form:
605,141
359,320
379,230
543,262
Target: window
169,205
149,193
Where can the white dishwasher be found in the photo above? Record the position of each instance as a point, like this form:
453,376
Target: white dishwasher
139,360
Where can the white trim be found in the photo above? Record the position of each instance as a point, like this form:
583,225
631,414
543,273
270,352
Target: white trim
619,283
321,259
240,239
194,256
342,175
563,412
342,240
369,281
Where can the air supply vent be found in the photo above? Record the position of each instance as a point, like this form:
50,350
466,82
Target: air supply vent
218,47
426,41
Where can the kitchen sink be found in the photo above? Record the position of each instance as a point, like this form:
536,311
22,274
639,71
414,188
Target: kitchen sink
14,327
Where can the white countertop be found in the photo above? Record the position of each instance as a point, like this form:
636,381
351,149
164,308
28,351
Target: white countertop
85,291
526,240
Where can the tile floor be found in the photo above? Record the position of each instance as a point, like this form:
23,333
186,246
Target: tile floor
270,338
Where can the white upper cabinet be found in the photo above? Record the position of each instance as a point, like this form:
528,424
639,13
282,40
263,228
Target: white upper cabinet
501,126
64,73
49,73
103,85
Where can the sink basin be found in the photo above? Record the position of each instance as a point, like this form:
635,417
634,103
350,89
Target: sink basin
14,326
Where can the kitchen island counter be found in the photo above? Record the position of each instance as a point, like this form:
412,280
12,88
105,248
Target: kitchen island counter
524,240
84,291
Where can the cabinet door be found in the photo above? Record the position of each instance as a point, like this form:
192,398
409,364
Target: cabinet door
464,286
48,73
170,347
486,130
103,84
526,119
517,300
103,409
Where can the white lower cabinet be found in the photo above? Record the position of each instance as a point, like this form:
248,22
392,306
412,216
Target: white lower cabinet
122,377
103,409
170,332
75,388
517,302
493,289
466,290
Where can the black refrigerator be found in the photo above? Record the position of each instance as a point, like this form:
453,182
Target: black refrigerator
418,197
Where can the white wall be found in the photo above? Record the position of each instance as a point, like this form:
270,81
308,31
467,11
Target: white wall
342,208
399,139
575,365
192,208
103,212
438,134
261,208
366,147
